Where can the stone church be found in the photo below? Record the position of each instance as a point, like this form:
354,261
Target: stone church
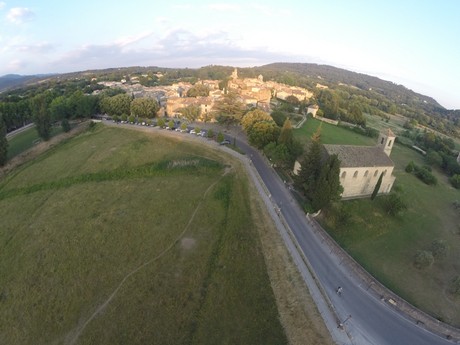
361,166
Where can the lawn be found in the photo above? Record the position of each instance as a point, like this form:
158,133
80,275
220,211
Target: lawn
386,245
118,237
330,134
25,140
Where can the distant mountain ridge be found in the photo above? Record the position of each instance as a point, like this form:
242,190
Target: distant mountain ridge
9,81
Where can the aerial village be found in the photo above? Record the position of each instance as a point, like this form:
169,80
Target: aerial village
253,92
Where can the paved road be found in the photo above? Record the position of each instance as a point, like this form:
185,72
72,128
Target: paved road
372,321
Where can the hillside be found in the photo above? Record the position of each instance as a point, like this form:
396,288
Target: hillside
370,94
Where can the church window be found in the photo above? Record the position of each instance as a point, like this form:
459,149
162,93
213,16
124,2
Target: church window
344,174
376,173
366,173
389,143
355,174
383,139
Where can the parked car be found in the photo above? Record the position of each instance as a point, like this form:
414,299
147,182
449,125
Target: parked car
224,142
192,131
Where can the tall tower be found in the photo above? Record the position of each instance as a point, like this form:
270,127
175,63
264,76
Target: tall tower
235,74
386,141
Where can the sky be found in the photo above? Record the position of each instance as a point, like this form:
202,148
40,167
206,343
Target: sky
413,43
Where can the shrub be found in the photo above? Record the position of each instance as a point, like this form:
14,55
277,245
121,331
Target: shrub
425,175
131,119
423,259
410,167
455,286
455,181
220,137
65,125
161,122
439,248
124,117
393,204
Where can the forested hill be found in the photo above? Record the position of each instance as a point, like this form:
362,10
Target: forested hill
325,74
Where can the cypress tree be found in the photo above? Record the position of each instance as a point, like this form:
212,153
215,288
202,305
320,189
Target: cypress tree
310,167
328,187
286,134
377,187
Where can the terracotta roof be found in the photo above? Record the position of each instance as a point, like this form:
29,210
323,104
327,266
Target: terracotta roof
359,156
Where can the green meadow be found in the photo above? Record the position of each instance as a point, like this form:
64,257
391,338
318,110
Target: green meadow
118,237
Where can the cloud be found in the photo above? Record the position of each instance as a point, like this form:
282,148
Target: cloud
19,15
38,48
15,65
2,4
178,48
129,40
223,7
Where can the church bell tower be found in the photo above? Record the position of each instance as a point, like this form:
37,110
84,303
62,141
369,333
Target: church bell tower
386,141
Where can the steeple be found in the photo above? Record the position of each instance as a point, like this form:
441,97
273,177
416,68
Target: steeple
386,141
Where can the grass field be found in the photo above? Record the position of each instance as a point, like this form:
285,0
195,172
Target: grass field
330,134
386,245
25,140
115,237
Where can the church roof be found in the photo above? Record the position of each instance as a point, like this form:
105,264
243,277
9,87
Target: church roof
351,156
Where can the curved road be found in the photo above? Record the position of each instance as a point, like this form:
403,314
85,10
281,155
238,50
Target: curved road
366,319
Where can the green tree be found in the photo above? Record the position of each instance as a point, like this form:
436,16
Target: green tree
144,107
286,136
310,166
39,105
60,108
3,142
254,116
292,100
279,117
433,158
198,90
278,154
191,112
377,187
263,133
229,109
220,137
170,124
328,188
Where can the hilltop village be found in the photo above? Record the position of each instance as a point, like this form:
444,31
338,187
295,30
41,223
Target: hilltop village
253,92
